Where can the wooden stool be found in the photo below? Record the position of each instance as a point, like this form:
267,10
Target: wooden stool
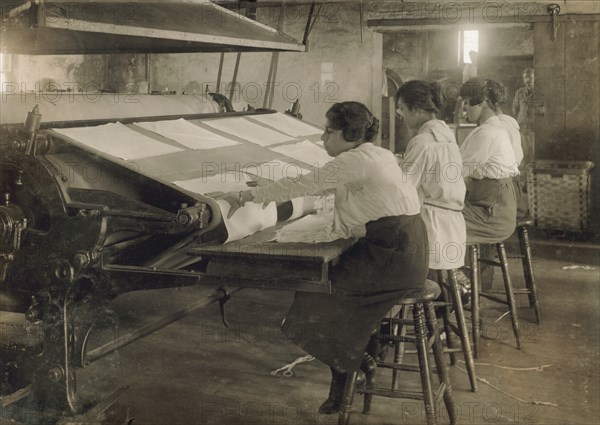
451,296
476,292
526,259
427,336
530,288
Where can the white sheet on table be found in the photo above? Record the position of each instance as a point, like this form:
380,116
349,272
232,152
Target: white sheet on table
309,229
225,182
247,220
188,134
248,130
276,170
118,140
286,124
306,152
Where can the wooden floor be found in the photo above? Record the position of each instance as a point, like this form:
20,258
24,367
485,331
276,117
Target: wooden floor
196,371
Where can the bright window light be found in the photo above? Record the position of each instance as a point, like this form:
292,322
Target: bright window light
470,42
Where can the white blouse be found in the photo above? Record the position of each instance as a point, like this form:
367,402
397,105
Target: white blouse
368,185
432,163
488,153
512,127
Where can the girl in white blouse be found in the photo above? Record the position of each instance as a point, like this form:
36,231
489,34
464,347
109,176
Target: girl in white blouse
489,164
370,189
432,163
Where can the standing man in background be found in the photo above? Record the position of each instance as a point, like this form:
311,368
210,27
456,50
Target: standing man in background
524,111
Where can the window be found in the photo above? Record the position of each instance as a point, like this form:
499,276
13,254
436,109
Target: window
468,40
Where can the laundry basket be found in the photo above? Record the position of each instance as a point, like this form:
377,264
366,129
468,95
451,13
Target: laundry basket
559,194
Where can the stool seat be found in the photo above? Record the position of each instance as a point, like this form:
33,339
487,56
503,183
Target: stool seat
525,221
429,292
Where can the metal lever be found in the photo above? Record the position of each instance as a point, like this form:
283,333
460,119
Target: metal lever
554,10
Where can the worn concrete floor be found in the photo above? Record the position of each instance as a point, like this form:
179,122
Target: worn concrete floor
196,371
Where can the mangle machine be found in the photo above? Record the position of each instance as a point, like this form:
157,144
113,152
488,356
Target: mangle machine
103,197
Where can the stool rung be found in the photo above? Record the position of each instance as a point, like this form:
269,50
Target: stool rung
490,262
522,291
525,291
453,350
440,392
441,304
397,321
397,338
402,366
454,329
430,341
411,395
493,298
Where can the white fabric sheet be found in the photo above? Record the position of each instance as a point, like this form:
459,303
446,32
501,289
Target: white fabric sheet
118,140
249,219
276,170
306,152
188,134
287,124
248,130
310,229
217,183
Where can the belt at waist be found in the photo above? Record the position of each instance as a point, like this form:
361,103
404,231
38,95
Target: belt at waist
486,179
441,207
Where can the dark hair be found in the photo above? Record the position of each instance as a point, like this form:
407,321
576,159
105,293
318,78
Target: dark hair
479,89
354,119
421,94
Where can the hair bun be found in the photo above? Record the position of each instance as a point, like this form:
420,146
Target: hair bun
370,122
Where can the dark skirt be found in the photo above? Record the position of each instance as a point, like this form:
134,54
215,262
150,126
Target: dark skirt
380,268
490,210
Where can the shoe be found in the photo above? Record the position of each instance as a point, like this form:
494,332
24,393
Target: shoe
336,392
464,282
377,349
369,367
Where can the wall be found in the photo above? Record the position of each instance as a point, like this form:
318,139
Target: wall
504,54
568,77
338,66
75,72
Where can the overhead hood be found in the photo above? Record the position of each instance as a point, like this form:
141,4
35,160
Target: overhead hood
49,27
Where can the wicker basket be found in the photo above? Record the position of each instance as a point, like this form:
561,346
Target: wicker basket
559,194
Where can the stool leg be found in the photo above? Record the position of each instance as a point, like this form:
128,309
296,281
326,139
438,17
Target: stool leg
528,271
450,339
424,369
510,295
462,327
399,347
347,399
438,355
474,259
